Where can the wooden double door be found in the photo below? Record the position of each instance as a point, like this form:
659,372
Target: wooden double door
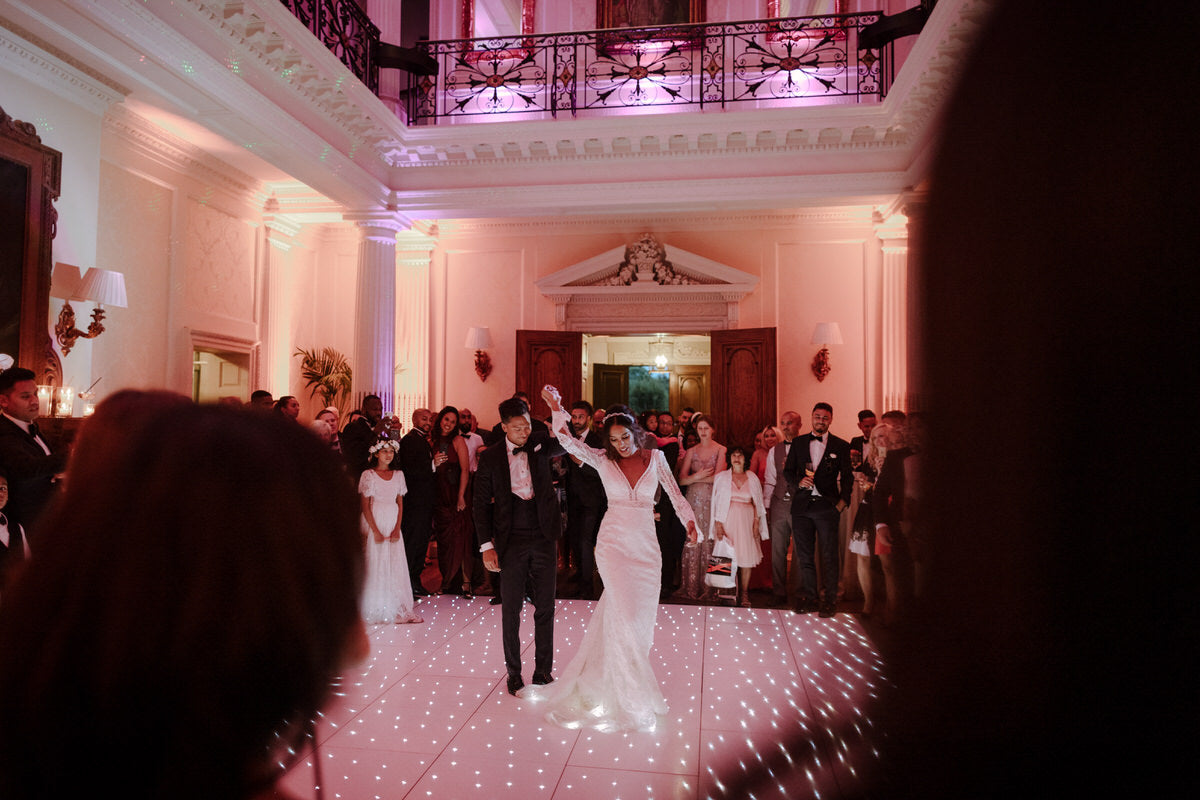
737,390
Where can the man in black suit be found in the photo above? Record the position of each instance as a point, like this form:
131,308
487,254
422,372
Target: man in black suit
518,523
670,531
29,460
416,462
586,502
818,470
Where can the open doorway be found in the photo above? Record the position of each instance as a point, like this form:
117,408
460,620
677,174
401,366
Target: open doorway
647,371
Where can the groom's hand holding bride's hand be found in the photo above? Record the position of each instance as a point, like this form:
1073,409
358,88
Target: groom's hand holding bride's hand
491,561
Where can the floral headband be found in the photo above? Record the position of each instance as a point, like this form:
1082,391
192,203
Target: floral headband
382,443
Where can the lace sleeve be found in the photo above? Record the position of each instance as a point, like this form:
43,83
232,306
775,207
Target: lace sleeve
365,486
667,481
573,446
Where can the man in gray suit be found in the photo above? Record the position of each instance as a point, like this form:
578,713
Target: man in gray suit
779,511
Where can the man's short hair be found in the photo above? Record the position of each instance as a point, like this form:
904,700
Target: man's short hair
259,394
371,397
823,407
584,405
688,409
895,415
866,413
512,407
14,375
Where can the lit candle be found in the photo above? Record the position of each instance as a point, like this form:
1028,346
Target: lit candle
45,393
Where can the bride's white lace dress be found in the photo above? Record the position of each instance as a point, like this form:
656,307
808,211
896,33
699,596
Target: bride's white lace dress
610,684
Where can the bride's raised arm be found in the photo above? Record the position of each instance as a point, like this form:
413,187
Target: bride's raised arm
560,424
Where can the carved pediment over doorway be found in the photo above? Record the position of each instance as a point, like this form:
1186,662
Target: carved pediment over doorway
647,286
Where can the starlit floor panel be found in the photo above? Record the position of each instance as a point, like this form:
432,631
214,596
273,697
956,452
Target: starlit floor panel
761,695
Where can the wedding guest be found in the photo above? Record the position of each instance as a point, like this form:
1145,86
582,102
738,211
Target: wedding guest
330,416
700,466
767,438
387,594
451,507
33,462
738,514
188,606
288,407
262,400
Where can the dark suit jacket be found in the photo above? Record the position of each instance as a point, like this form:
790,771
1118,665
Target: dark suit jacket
887,498
493,500
30,471
831,476
584,487
416,462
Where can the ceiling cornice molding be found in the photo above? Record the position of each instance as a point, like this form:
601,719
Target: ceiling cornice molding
859,218
49,67
178,154
702,195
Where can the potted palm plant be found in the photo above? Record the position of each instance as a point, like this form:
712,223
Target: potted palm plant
326,372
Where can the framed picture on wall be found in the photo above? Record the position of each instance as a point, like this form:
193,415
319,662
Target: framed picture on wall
647,13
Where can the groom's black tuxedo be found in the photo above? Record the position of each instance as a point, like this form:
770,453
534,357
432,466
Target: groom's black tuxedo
525,535
494,500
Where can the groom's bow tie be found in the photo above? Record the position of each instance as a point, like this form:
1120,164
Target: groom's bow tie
525,448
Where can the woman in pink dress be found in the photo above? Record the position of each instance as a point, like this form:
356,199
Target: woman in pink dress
700,466
739,515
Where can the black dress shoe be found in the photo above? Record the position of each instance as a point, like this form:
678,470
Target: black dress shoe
515,684
495,601
419,591
804,605
827,610
542,678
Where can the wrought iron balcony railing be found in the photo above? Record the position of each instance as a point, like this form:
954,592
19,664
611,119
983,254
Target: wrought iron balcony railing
766,63
346,30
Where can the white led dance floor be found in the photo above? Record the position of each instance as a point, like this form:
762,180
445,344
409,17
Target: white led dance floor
783,697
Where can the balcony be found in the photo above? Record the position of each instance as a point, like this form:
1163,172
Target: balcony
772,63
796,61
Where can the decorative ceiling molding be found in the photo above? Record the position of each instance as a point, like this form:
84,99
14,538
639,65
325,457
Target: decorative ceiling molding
49,67
173,152
857,217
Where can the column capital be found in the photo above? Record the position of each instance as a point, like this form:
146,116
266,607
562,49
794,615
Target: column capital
379,224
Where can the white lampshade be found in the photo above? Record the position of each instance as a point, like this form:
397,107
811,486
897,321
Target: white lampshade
827,333
103,287
65,280
478,338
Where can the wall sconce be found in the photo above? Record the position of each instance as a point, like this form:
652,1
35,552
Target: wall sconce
100,286
826,333
479,340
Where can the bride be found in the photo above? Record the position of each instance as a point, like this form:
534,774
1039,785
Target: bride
610,684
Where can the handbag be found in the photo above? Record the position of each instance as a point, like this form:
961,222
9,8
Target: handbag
722,566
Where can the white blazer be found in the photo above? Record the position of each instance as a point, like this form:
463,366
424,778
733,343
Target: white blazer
722,488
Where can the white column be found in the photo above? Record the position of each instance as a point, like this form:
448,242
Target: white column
413,323
892,231
277,332
374,310
914,211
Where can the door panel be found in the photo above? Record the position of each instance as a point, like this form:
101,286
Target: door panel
689,388
743,383
610,385
549,357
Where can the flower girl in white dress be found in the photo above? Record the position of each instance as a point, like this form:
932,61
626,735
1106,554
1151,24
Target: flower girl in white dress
387,592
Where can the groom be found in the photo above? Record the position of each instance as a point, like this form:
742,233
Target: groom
517,522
